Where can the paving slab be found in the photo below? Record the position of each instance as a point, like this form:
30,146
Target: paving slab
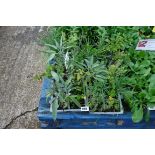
20,61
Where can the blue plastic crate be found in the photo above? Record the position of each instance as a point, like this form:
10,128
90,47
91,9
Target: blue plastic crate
86,120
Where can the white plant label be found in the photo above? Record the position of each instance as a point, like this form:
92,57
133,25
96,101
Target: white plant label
86,108
146,44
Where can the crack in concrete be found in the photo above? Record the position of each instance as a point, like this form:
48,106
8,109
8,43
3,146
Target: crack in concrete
22,114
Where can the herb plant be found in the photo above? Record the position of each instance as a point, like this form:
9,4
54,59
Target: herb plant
91,65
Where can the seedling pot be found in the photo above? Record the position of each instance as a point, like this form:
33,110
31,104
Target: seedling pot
76,119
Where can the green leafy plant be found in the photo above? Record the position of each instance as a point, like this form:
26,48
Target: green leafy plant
91,65
88,72
61,94
139,84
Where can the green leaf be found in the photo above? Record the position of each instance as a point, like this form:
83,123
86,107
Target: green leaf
73,98
95,65
141,54
69,80
55,76
78,76
147,72
152,89
147,116
53,108
131,81
146,63
128,95
152,78
137,115
99,79
53,46
51,99
51,57
152,99
152,55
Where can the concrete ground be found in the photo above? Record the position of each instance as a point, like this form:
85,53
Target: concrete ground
20,61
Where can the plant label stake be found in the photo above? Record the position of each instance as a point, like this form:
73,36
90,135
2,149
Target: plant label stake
146,45
86,108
